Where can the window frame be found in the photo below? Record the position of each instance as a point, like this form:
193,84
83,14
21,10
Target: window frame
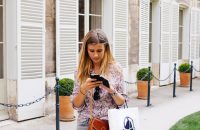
87,15
150,31
180,43
2,43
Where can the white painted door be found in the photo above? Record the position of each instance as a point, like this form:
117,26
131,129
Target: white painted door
165,41
3,109
31,62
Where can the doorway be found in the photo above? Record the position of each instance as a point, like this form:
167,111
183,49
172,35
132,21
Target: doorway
3,109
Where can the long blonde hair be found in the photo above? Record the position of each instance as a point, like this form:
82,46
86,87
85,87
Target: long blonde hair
85,63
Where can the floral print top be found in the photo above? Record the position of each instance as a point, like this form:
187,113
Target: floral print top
100,107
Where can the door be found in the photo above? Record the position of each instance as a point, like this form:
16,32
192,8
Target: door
165,42
3,110
30,57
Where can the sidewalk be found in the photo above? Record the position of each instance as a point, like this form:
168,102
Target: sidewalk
161,115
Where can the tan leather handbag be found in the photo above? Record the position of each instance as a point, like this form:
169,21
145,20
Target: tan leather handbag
96,123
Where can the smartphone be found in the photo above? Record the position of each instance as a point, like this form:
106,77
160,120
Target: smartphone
99,78
95,76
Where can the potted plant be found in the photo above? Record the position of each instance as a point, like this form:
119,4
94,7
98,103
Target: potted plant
65,90
142,83
184,70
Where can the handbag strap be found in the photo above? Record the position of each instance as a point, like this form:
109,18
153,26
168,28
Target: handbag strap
91,95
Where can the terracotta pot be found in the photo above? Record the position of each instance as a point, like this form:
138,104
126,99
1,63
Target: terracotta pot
142,87
66,109
184,79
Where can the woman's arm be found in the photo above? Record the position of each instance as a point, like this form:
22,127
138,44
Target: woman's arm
83,89
118,91
117,97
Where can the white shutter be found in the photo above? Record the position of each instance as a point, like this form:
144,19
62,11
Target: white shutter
66,36
194,45
197,41
192,34
31,66
198,38
174,32
174,37
144,33
165,41
120,31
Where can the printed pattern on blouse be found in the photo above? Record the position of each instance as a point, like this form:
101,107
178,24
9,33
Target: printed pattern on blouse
101,106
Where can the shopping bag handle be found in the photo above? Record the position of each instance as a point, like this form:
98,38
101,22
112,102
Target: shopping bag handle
125,105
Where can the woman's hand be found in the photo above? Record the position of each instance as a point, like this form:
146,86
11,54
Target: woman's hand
90,84
110,90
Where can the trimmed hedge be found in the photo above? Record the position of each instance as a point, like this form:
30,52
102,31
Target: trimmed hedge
185,68
66,87
142,72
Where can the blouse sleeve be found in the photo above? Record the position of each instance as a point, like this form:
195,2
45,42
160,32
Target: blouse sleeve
120,86
76,91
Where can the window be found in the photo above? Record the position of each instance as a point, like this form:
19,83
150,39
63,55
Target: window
198,3
1,38
180,40
90,17
150,32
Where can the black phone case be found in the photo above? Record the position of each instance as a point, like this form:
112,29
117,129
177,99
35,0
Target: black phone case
99,78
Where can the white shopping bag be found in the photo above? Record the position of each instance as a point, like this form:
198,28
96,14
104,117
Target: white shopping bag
123,119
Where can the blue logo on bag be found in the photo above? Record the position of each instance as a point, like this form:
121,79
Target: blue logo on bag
128,124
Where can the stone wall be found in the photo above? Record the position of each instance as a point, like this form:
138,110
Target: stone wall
50,43
50,56
133,32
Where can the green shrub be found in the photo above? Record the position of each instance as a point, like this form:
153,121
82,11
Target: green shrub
66,87
142,72
185,67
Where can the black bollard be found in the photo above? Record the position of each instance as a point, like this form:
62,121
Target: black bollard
174,86
57,104
191,70
148,96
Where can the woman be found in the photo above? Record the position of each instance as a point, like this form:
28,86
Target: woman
96,58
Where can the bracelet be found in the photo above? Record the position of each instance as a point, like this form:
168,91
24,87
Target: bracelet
114,93
82,92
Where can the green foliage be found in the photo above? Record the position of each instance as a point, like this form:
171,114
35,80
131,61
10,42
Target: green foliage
66,87
191,122
142,72
185,67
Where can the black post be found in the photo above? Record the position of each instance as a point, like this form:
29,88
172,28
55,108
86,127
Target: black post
57,104
148,97
174,87
191,70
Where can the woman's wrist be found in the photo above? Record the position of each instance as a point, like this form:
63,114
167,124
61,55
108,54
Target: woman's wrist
83,91
114,93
